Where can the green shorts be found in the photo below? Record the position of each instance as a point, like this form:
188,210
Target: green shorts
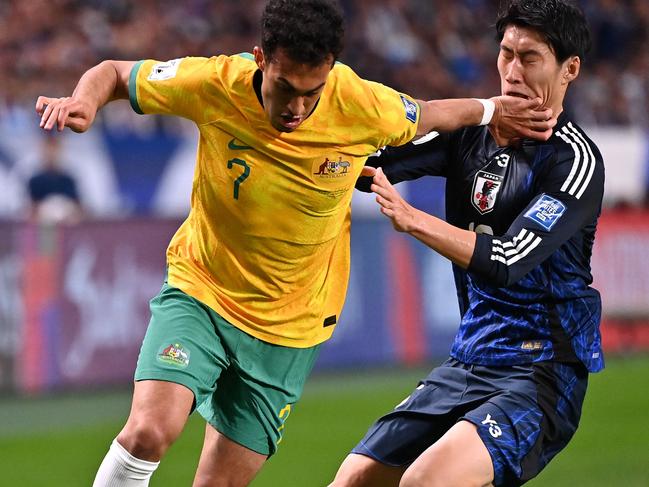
242,386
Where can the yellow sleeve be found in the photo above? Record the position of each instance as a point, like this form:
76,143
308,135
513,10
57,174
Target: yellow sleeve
399,115
386,116
177,87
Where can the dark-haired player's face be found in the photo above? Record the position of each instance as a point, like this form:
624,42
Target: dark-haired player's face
528,68
290,90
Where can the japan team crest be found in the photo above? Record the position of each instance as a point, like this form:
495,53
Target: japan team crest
485,191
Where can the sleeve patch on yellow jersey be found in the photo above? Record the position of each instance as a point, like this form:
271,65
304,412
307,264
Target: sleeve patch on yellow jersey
163,71
411,109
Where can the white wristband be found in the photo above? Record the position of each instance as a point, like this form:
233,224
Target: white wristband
489,108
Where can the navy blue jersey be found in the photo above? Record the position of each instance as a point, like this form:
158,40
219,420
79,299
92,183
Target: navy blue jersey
526,296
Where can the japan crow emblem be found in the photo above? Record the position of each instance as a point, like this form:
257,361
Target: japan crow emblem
485,191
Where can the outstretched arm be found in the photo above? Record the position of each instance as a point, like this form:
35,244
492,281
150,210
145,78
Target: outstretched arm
452,242
513,117
105,82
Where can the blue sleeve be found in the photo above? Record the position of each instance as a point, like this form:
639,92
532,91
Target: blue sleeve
427,156
565,207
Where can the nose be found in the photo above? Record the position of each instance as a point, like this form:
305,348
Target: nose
513,71
296,106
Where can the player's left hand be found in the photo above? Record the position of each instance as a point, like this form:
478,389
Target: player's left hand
520,118
392,204
58,113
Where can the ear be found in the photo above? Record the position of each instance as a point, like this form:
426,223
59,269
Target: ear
571,69
259,57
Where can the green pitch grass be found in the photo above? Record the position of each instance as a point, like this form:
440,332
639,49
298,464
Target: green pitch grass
60,441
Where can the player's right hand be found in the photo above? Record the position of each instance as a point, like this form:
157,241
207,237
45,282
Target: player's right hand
65,112
521,118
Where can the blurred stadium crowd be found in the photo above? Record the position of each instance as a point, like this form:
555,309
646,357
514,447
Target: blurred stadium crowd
427,48
441,48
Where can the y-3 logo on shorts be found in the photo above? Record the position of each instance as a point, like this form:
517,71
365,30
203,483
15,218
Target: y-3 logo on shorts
494,429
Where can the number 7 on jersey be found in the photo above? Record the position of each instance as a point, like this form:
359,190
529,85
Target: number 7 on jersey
242,178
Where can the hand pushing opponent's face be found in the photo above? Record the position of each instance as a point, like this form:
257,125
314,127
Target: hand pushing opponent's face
290,90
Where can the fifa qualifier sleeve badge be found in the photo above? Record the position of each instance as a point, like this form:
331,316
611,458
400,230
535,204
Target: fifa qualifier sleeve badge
546,211
411,109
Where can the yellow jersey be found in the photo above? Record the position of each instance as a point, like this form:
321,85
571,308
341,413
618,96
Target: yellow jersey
266,242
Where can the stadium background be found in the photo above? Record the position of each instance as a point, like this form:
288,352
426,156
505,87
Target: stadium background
73,300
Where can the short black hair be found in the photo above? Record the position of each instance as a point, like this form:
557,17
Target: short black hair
309,31
561,22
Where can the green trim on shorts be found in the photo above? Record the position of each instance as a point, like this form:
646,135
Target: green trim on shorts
132,88
242,386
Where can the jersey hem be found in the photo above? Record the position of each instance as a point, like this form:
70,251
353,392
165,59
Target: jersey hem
256,333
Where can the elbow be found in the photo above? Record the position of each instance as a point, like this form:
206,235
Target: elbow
120,72
501,276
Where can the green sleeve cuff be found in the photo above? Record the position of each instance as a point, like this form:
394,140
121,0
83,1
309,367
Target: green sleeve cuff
132,88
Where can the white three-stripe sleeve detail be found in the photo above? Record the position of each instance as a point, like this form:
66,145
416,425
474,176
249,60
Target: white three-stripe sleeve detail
514,250
575,163
529,248
587,161
591,158
524,242
499,246
520,253
583,166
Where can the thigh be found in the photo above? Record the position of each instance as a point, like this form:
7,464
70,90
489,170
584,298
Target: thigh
255,395
181,345
458,459
363,471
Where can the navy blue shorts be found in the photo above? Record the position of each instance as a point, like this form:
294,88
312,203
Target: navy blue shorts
525,415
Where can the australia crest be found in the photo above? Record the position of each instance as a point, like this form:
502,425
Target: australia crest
331,168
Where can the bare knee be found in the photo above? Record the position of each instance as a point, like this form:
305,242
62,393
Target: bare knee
158,415
146,440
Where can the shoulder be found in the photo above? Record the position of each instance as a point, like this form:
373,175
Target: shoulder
577,159
571,142
228,76
201,67
345,82
232,66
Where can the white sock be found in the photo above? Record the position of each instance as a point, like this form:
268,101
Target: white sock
121,469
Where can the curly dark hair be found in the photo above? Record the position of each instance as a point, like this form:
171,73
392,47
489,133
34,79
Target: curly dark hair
309,31
561,22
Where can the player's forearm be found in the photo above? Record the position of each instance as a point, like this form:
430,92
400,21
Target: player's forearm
105,82
449,115
452,242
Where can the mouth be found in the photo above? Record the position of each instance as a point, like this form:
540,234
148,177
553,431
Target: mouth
290,122
517,95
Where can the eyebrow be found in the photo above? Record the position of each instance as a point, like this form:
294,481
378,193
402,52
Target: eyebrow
289,85
529,52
